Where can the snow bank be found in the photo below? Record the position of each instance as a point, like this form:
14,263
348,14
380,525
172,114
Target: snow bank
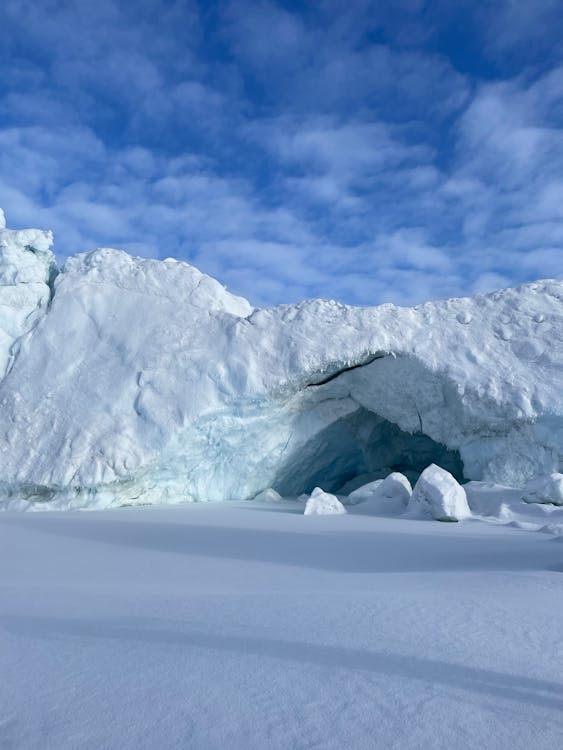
389,496
505,505
323,504
437,494
489,499
545,490
126,380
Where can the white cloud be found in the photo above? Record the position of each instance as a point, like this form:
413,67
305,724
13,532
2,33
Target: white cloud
305,159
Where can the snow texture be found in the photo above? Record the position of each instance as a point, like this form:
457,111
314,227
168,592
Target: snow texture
125,380
438,495
545,490
323,504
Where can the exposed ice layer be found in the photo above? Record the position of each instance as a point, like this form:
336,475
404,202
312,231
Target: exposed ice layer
438,495
146,381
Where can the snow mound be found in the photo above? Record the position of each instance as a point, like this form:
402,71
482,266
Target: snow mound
389,496
323,503
125,380
489,499
268,496
547,490
363,493
437,494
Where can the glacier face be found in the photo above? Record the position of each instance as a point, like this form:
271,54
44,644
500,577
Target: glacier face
125,380
27,270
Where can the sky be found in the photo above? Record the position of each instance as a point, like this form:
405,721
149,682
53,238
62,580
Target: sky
364,151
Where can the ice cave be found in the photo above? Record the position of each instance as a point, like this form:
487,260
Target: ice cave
125,380
357,449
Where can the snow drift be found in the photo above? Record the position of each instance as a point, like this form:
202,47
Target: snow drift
389,496
127,380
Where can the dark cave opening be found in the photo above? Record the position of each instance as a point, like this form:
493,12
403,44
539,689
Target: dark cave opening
357,449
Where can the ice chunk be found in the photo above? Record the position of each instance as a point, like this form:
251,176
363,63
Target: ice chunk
548,490
322,503
389,496
439,495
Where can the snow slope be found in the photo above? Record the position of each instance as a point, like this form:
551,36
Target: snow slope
249,626
133,381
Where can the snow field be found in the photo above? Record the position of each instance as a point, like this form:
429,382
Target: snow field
246,626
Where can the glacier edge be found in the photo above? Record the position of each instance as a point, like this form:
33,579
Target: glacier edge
147,381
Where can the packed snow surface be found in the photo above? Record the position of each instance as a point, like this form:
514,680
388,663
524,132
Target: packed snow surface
247,626
133,381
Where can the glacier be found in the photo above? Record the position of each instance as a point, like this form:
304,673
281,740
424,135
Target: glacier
126,380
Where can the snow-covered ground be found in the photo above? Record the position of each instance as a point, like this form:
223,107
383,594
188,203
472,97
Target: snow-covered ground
251,625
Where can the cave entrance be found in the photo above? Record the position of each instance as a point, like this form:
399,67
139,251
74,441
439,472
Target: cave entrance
360,448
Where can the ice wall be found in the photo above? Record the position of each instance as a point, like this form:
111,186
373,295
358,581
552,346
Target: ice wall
132,380
27,269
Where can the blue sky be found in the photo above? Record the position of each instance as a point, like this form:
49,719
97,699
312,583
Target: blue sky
366,151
